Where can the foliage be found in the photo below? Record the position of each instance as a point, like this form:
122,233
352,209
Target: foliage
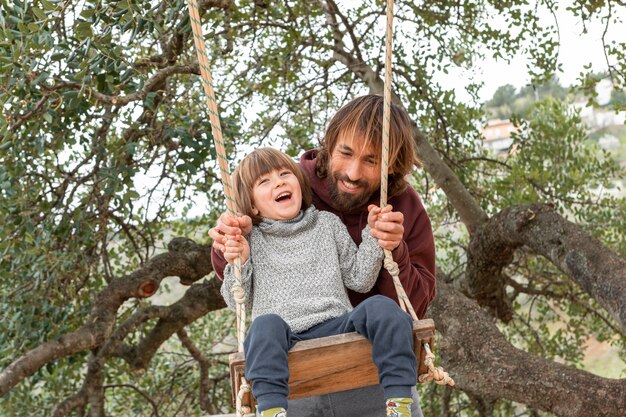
507,102
106,152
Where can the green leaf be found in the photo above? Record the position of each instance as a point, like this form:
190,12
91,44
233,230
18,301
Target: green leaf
48,5
39,13
84,29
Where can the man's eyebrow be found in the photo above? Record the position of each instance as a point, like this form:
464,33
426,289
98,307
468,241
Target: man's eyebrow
345,147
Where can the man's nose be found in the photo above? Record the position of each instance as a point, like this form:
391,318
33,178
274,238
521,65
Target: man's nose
353,170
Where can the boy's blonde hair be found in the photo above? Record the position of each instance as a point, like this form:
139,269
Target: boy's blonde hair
260,162
363,118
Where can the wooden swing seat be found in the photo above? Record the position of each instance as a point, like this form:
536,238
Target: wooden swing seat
334,363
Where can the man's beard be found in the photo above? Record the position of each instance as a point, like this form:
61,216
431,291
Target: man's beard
346,201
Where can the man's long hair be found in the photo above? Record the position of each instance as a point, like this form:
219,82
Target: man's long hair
363,118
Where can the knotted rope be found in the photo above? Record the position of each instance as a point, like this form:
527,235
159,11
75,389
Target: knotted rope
242,409
438,375
434,374
216,129
238,291
390,265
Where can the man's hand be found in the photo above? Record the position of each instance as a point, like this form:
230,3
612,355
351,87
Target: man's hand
388,226
229,225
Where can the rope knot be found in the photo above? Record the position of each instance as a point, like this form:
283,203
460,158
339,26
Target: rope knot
390,265
239,294
437,375
243,410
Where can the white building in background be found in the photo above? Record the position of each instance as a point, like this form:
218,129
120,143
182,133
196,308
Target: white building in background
599,118
497,135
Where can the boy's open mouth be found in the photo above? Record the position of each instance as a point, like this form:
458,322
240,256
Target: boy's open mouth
283,197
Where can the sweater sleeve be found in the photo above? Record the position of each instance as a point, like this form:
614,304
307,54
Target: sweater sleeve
230,281
360,265
415,257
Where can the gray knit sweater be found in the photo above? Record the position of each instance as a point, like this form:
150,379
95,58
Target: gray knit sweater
299,269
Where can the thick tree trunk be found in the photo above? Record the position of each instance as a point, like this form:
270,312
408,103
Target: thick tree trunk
483,363
598,270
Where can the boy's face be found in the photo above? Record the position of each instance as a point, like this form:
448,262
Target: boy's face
277,195
354,172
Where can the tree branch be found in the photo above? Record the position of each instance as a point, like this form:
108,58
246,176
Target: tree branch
482,362
598,270
197,301
186,259
151,85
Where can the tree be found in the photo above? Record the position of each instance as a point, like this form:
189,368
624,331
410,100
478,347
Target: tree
503,95
105,136
507,102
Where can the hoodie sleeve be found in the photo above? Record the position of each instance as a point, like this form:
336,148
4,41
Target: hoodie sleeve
219,263
415,256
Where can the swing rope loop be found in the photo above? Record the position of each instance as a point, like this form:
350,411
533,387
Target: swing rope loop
436,374
242,409
205,72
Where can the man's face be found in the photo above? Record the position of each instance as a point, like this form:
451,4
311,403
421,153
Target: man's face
354,173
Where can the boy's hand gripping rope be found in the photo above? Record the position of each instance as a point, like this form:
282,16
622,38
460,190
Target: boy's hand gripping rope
434,374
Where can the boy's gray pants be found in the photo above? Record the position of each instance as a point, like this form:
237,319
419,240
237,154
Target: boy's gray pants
361,402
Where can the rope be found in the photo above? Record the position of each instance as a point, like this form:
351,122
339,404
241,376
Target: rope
238,292
438,375
390,265
242,409
203,62
434,374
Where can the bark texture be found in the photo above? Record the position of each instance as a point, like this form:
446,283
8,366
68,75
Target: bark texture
595,268
484,363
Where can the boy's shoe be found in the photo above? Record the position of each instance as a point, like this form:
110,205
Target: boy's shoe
274,412
399,407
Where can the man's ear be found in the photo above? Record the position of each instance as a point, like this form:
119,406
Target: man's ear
255,211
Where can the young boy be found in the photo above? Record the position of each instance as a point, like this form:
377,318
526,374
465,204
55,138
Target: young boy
296,265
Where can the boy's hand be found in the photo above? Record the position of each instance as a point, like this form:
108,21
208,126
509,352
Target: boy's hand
236,246
229,225
372,216
387,226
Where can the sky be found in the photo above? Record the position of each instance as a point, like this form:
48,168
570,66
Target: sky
577,50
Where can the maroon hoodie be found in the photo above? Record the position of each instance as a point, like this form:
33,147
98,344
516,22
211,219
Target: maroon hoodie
415,256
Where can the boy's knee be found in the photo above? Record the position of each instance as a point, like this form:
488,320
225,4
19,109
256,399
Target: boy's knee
378,304
387,310
266,330
270,323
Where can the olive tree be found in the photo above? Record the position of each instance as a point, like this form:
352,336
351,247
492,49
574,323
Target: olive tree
107,159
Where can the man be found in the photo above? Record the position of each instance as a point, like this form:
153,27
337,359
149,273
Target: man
345,180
